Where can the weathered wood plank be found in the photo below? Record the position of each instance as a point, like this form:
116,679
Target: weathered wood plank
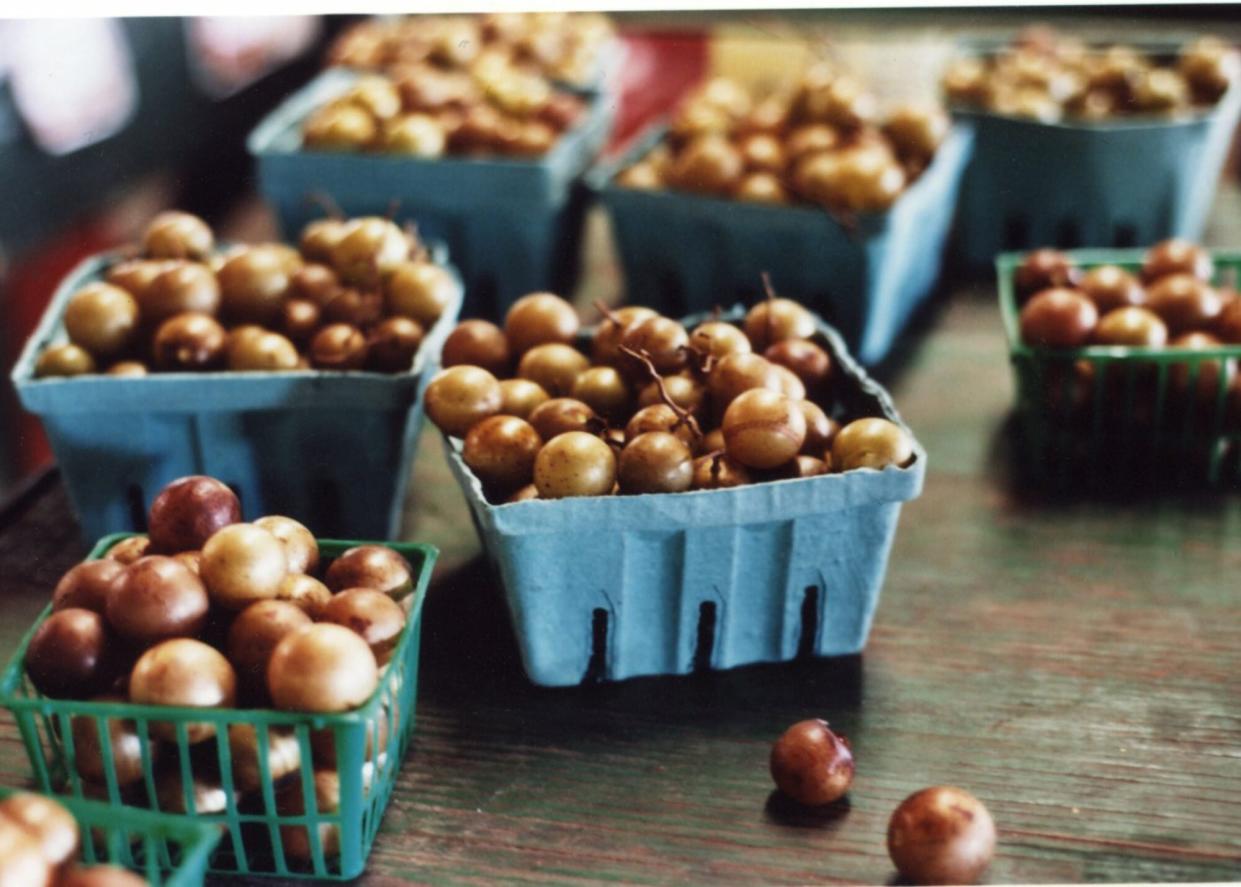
1076,665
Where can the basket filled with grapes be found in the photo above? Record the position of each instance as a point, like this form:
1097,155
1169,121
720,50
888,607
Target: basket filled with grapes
660,497
246,675
1126,364
1078,145
848,208
291,372
486,159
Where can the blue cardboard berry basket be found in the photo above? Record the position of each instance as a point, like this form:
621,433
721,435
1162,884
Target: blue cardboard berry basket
512,226
1118,183
330,449
615,587
686,253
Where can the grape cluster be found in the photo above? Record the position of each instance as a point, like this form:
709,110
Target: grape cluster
648,406
1173,302
421,111
356,295
820,143
1046,76
561,46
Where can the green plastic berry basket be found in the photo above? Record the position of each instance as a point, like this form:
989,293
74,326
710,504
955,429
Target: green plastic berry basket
169,851
257,839
1124,417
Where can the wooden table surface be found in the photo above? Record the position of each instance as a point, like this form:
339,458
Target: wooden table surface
1076,665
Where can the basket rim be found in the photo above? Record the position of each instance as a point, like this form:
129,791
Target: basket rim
14,671
844,361
1131,260
1129,123
601,178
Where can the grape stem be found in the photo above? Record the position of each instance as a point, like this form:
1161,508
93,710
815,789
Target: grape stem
602,434
684,416
331,209
418,251
771,297
702,361
608,313
767,287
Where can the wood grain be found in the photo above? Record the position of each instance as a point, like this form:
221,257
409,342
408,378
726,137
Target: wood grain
1077,665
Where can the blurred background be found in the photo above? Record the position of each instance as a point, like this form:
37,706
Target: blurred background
103,122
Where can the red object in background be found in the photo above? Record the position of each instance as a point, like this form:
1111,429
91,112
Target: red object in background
659,68
28,288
